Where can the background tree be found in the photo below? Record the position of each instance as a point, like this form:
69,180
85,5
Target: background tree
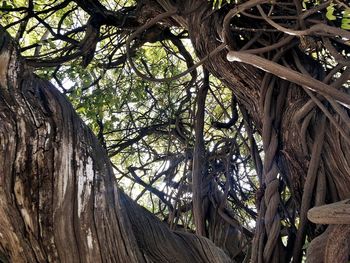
225,120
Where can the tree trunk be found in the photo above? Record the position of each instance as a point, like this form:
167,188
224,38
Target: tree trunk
58,197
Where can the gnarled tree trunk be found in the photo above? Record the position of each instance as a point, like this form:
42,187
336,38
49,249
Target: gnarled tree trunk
58,198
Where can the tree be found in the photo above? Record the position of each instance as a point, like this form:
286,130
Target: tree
274,79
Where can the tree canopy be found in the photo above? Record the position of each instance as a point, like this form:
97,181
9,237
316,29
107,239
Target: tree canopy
225,119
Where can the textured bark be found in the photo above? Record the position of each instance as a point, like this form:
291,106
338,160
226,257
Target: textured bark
334,244
331,246
58,198
200,180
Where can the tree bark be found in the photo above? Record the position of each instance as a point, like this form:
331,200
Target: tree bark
58,198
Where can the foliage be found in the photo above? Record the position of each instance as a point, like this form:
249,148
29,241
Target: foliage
336,11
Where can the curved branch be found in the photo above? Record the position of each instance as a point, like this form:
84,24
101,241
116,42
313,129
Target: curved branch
289,74
335,213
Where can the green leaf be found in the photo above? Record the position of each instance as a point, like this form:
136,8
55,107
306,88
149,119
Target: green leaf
304,3
6,6
51,44
330,11
345,23
346,13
